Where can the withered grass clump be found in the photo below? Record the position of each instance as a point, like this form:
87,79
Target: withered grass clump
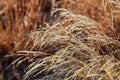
77,49
101,11
81,44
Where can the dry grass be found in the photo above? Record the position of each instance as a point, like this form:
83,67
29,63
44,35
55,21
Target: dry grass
82,44
101,11
77,49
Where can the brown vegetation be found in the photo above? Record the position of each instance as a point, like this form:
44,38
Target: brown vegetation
65,40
